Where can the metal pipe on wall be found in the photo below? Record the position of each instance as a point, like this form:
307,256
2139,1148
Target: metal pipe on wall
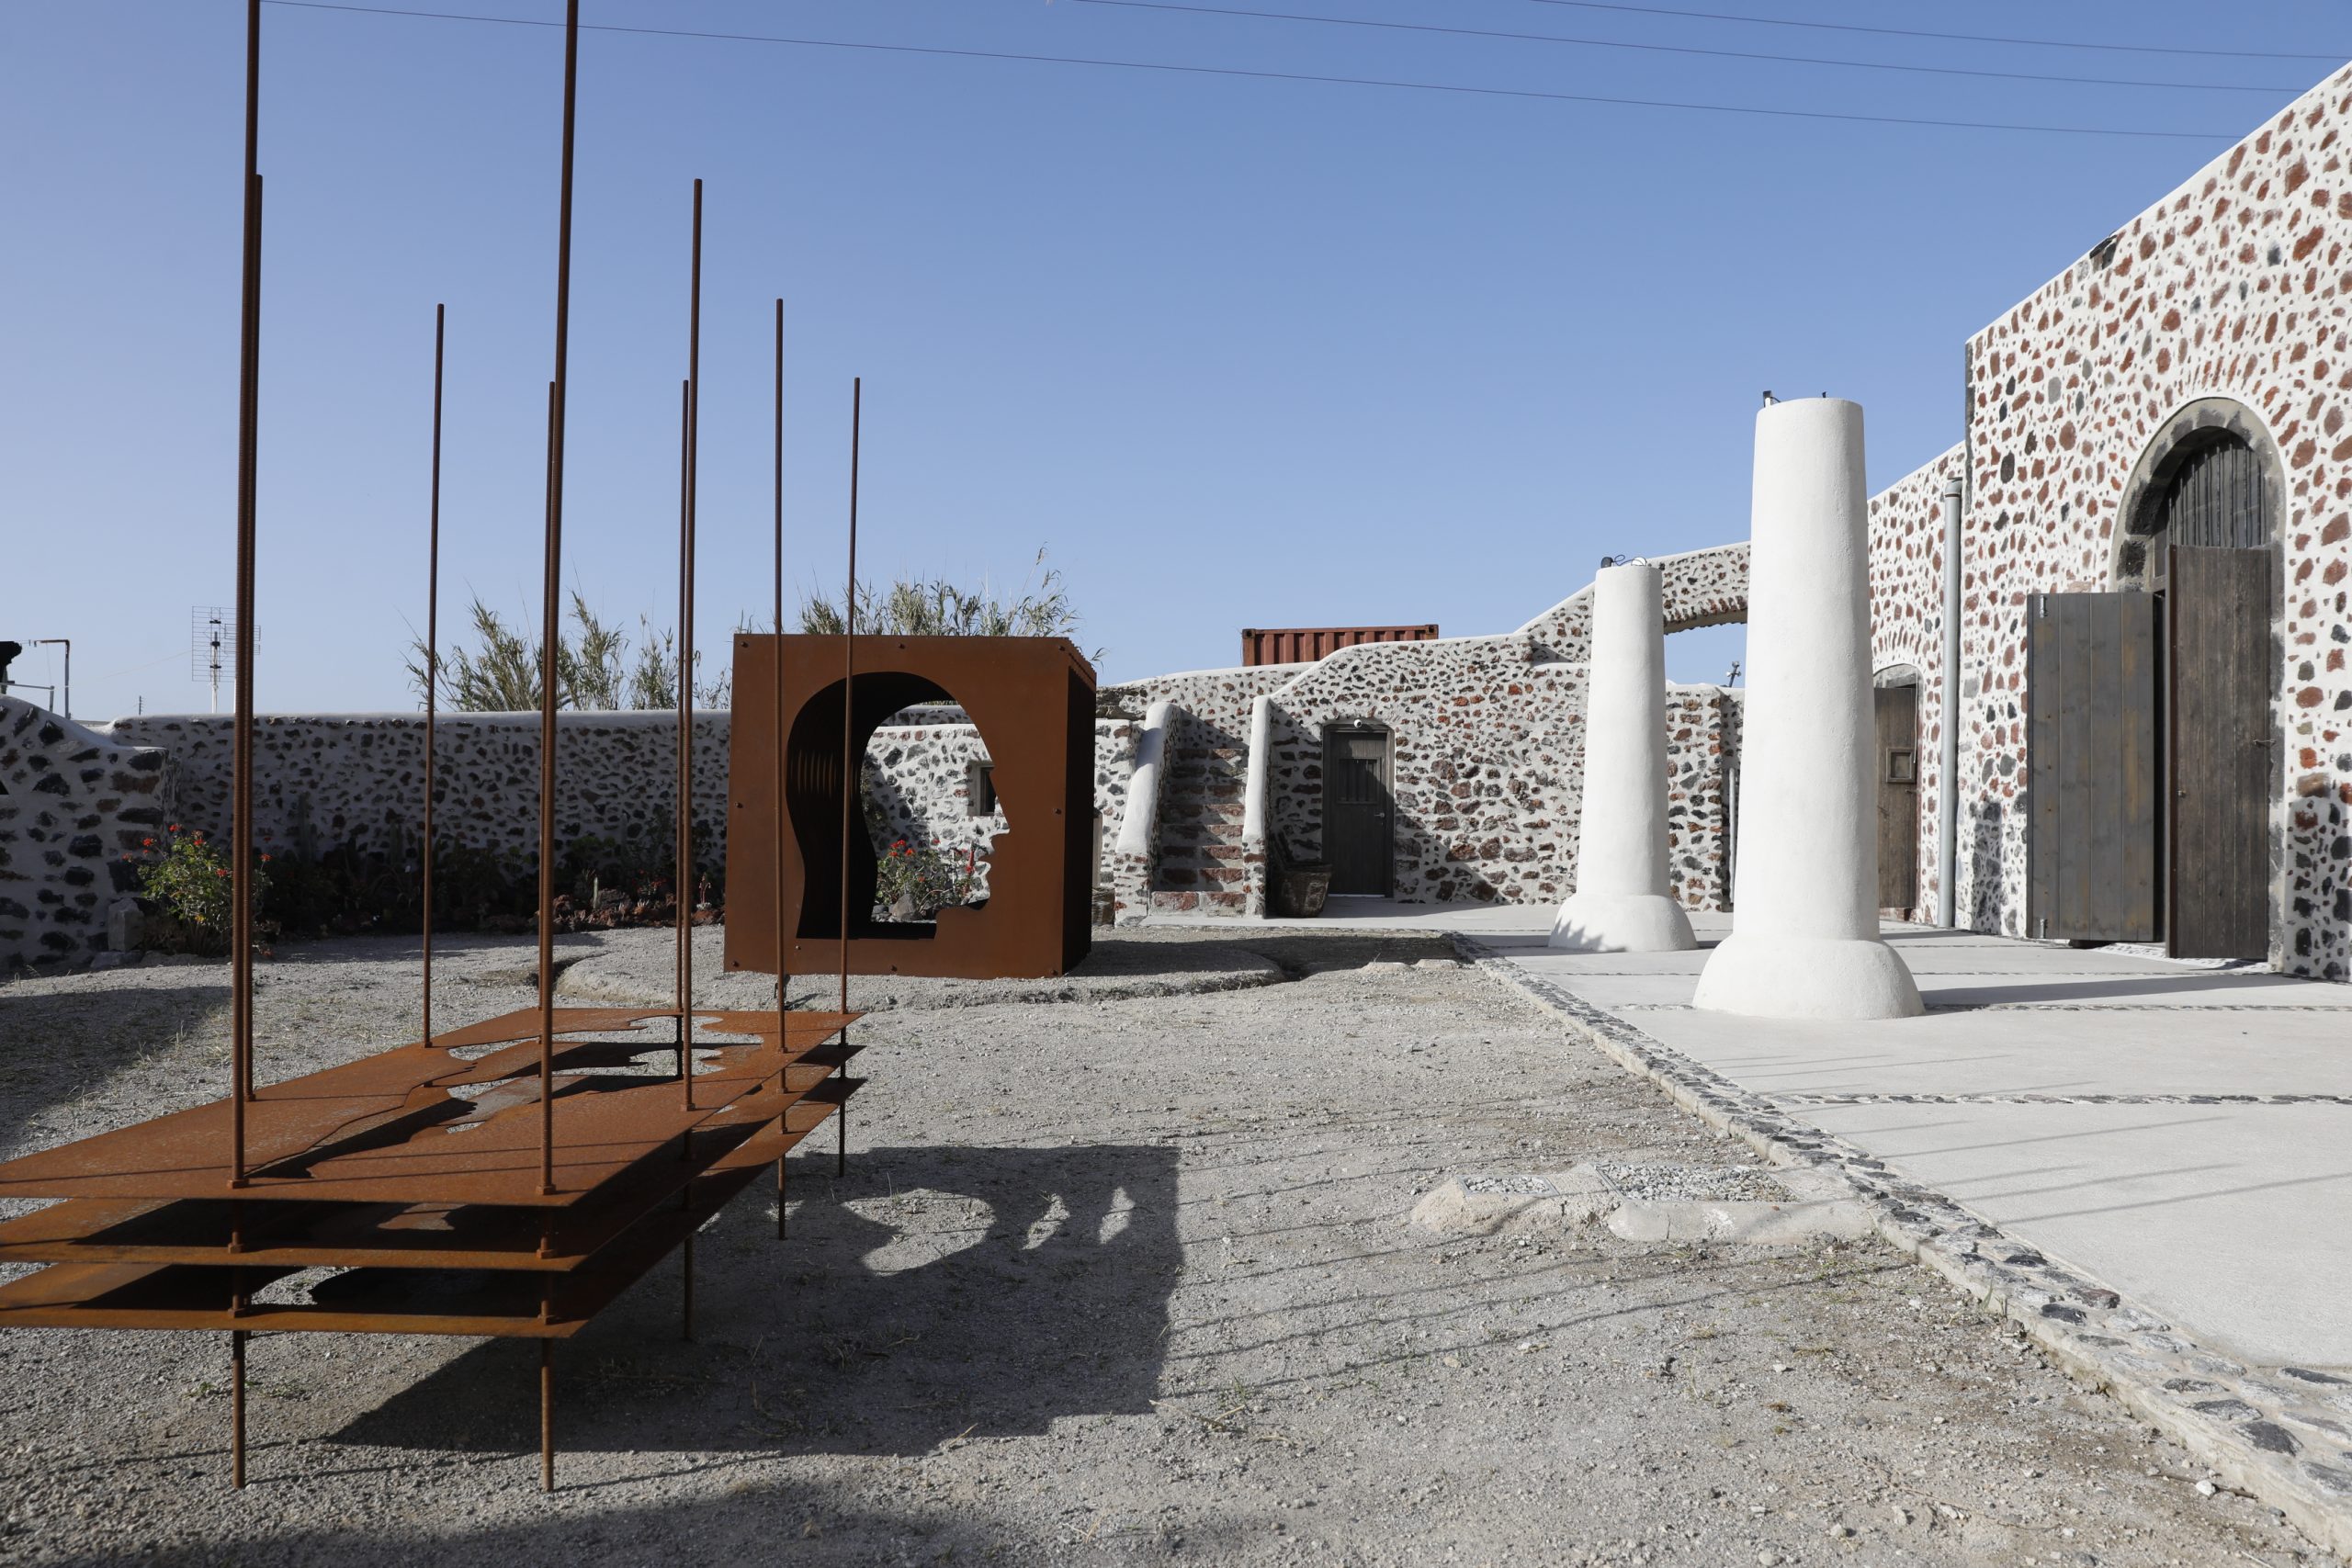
1948,765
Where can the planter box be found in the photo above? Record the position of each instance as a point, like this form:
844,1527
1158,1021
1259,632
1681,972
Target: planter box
1298,891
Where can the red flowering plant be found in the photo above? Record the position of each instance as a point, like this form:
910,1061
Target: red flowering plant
188,878
914,881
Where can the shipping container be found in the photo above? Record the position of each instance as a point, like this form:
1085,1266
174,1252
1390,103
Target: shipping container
1304,645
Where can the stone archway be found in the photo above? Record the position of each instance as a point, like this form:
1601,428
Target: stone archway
2199,527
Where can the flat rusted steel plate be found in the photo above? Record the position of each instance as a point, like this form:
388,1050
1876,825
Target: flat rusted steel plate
424,1236
523,1024
365,1301
802,1117
397,1127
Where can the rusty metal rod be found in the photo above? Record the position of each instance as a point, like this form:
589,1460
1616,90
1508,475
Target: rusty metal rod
853,775
689,420
553,609
432,654
547,1415
783,938
241,813
237,1409
680,980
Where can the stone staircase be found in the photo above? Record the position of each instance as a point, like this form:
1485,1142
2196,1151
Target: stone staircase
1200,867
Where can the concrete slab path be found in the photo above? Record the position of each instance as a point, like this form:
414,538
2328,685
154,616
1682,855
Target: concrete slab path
2181,1132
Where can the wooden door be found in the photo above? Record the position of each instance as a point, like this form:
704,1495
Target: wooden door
2092,767
1357,835
1898,795
2222,773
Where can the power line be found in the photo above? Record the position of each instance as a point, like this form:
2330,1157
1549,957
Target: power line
1681,49
2201,53
1276,75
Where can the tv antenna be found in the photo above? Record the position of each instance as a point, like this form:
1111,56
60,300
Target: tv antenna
211,647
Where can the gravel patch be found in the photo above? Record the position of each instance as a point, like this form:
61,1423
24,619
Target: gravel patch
630,969
1112,1279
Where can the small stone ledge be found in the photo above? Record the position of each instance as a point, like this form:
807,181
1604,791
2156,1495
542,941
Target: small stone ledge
2280,1434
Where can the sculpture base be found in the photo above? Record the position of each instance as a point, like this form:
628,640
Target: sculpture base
1764,975
1621,922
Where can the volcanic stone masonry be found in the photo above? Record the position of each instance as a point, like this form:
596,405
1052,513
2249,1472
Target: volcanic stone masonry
2224,303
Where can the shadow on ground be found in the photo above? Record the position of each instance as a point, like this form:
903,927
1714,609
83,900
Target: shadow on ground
1298,953
60,1047
933,1293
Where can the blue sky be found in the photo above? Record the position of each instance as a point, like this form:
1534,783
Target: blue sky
1240,352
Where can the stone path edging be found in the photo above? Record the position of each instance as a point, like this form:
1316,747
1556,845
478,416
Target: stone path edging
2233,1417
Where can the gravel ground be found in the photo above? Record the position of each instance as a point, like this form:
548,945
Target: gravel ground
1116,1280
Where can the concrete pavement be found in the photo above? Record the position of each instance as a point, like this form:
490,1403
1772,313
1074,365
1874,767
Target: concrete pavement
2181,1133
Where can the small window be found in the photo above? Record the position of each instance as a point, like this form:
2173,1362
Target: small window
979,791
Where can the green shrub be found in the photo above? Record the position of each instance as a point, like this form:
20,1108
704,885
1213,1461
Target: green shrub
189,879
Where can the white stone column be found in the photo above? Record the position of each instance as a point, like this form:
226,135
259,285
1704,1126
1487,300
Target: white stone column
1621,903
1805,939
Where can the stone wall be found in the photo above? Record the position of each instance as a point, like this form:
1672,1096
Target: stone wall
921,778
1486,745
1906,577
2234,286
358,778
73,803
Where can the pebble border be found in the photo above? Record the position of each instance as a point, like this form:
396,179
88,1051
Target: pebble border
2242,1421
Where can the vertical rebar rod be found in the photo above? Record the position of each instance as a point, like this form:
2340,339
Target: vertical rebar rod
432,654
783,938
237,1409
551,625
688,419
547,1415
853,780
680,978
241,814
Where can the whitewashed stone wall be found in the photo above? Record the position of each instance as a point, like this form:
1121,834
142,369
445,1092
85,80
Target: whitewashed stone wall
1906,577
1486,744
2236,286
922,777
73,803
358,778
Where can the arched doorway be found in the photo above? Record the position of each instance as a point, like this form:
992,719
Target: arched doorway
2202,534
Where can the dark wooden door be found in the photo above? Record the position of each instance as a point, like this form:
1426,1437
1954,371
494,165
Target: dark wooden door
1898,796
1357,836
2092,759
2222,772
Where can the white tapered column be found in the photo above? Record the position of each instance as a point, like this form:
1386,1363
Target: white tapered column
1621,903
1805,939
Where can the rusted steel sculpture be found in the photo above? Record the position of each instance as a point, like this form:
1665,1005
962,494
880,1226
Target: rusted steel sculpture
1032,700
506,1179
